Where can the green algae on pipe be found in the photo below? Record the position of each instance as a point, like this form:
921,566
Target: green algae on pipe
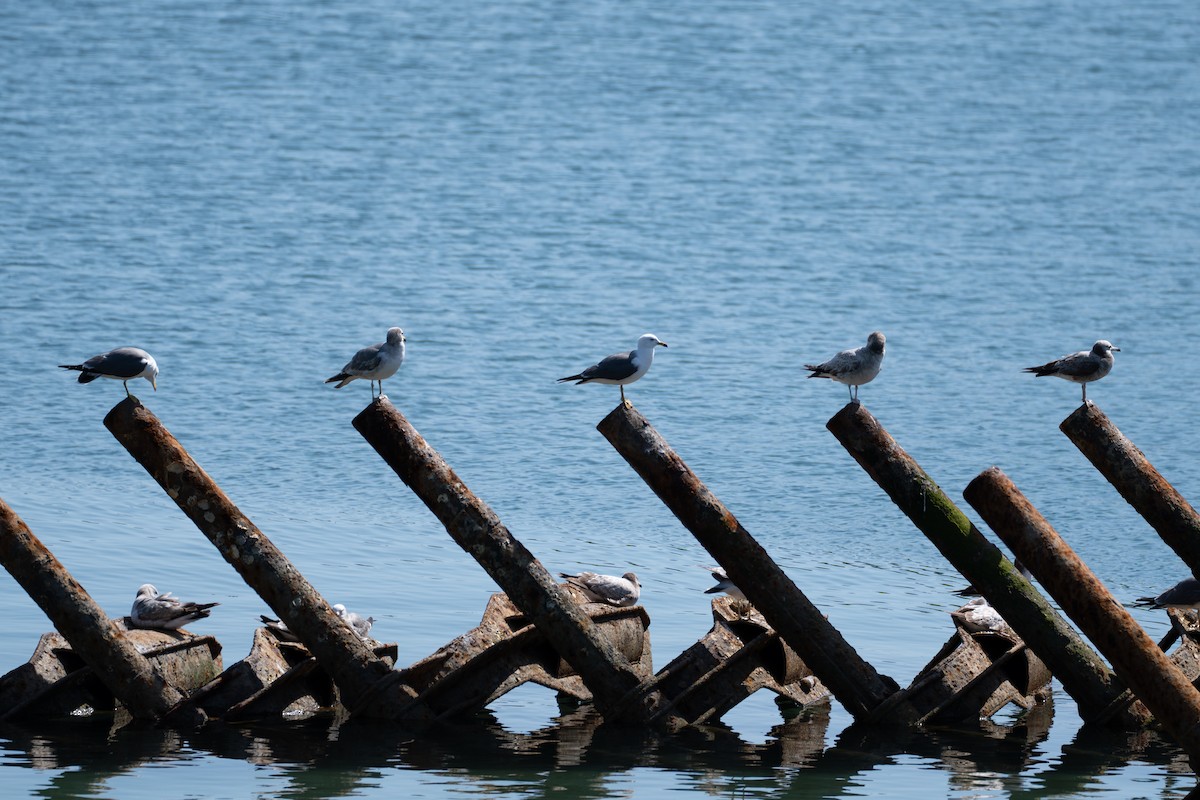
1083,674
1148,671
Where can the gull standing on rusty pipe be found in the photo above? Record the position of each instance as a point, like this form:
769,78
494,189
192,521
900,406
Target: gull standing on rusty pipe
621,368
123,364
853,367
374,363
1082,367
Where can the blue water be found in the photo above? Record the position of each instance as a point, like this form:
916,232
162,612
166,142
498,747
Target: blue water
251,191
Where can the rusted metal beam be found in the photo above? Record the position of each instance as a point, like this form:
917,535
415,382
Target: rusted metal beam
853,681
505,651
1152,676
97,640
1082,672
266,570
1129,471
612,680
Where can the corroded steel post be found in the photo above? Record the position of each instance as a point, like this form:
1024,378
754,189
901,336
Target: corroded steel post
614,683
266,570
93,636
853,681
1127,469
1152,676
1083,674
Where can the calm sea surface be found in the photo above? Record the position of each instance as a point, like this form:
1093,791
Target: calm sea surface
253,190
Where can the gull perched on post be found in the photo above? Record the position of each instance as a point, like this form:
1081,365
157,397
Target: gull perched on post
620,592
621,368
374,363
853,367
164,612
123,364
1185,594
1082,367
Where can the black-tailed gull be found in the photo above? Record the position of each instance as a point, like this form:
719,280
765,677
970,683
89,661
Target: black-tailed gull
358,623
279,628
853,367
374,363
123,364
164,612
620,592
1082,367
723,584
1185,594
621,368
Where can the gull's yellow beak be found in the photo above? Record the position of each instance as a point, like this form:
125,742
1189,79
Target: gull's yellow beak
154,383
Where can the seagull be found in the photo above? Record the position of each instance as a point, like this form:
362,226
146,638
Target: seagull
375,363
723,584
164,612
620,592
279,628
621,368
1082,367
853,367
977,616
123,364
1185,594
971,591
358,623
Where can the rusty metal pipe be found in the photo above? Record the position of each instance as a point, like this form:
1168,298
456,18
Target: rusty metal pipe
1148,672
341,653
1083,674
93,636
614,683
853,681
1127,469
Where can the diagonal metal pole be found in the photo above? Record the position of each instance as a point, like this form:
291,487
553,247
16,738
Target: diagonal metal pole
102,645
1083,674
854,682
349,661
1135,657
1136,479
615,684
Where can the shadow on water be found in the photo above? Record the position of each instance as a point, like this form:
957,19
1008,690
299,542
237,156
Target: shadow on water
578,757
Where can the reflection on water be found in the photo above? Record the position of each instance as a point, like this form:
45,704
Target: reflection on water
578,757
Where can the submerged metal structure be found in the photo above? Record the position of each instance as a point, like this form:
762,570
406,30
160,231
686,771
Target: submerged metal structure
537,631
